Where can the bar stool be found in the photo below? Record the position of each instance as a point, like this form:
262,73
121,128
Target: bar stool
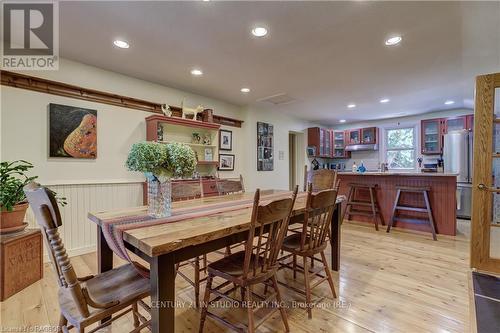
374,211
415,220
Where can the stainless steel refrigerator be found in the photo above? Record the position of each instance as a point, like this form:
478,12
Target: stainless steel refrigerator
457,156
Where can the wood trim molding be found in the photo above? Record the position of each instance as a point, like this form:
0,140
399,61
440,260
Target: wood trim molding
34,83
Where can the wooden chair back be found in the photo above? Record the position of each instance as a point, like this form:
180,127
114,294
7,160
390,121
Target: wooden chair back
44,206
187,189
230,185
319,211
322,179
262,257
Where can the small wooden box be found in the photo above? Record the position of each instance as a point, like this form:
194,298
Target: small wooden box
21,262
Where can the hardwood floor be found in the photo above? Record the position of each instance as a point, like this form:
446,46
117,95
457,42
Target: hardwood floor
397,282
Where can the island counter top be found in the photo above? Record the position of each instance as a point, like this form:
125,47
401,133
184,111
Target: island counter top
402,174
442,196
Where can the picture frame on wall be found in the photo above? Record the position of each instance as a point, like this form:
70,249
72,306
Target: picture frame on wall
265,152
225,140
72,132
226,162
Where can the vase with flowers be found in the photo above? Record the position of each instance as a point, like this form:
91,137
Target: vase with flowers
160,162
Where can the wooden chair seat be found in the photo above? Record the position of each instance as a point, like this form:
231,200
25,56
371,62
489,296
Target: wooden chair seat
122,285
231,266
292,243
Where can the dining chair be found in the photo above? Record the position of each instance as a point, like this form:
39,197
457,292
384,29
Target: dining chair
187,190
322,179
227,186
311,241
230,185
87,300
255,265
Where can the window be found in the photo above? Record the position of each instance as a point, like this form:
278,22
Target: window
400,148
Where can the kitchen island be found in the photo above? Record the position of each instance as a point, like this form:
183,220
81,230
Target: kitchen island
442,196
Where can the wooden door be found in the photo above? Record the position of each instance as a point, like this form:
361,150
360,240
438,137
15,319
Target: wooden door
485,224
369,135
431,136
354,136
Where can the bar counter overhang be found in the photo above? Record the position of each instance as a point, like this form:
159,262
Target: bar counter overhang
442,196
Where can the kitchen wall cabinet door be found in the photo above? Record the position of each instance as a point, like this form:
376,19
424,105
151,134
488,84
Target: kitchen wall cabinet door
470,122
432,136
354,136
369,135
455,124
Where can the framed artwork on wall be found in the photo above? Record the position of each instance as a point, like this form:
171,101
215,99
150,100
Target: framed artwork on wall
225,140
226,162
72,132
265,153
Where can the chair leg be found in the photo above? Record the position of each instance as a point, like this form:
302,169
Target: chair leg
429,212
228,251
396,202
205,263
249,305
134,315
197,282
294,265
328,274
62,322
282,310
308,288
374,211
204,305
347,208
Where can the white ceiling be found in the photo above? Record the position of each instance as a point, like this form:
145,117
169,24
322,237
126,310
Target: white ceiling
323,54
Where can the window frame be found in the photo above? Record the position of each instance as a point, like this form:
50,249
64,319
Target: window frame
414,146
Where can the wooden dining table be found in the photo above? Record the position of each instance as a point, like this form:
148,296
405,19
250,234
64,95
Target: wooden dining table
165,245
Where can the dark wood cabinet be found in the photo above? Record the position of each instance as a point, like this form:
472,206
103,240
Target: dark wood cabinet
354,136
455,124
470,122
321,140
339,143
369,135
432,136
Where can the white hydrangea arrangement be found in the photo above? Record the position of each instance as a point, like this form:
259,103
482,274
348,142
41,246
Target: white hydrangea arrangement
161,161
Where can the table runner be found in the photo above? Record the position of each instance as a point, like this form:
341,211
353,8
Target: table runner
113,228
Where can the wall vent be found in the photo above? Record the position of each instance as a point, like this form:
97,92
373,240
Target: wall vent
278,99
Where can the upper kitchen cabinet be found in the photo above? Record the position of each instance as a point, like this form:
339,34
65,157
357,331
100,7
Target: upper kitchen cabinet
354,136
432,134
455,124
369,135
339,143
470,122
321,140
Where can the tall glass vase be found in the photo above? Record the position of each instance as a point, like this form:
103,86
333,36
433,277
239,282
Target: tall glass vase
159,198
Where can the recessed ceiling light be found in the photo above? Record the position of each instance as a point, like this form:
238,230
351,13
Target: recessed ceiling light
384,100
342,121
245,90
393,40
206,0
259,31
121,44
449,102
196,72
351,106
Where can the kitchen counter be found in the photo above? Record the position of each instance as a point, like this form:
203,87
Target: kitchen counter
442,196
403,174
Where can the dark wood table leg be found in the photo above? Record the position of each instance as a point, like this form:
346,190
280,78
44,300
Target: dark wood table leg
104,253
335,237
162,280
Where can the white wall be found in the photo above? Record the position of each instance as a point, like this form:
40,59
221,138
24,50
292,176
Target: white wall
104,183
372,159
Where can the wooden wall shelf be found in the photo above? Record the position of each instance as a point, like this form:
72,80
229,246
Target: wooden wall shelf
34,83
182,122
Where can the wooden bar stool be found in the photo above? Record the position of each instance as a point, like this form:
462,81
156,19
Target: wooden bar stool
372,203
416,220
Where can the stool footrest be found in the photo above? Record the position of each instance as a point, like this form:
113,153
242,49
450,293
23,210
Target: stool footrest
412,220
360,203
413,209
360,212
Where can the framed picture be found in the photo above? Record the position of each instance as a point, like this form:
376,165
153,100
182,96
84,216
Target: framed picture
225,140
72,132
226,162
265,153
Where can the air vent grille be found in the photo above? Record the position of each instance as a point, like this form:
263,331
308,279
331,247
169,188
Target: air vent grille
278,99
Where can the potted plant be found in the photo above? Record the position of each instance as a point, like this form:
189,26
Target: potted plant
13,204
160,162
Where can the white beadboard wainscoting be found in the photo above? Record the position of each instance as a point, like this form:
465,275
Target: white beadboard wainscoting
78,233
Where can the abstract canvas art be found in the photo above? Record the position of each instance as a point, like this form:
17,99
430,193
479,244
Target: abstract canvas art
73,132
